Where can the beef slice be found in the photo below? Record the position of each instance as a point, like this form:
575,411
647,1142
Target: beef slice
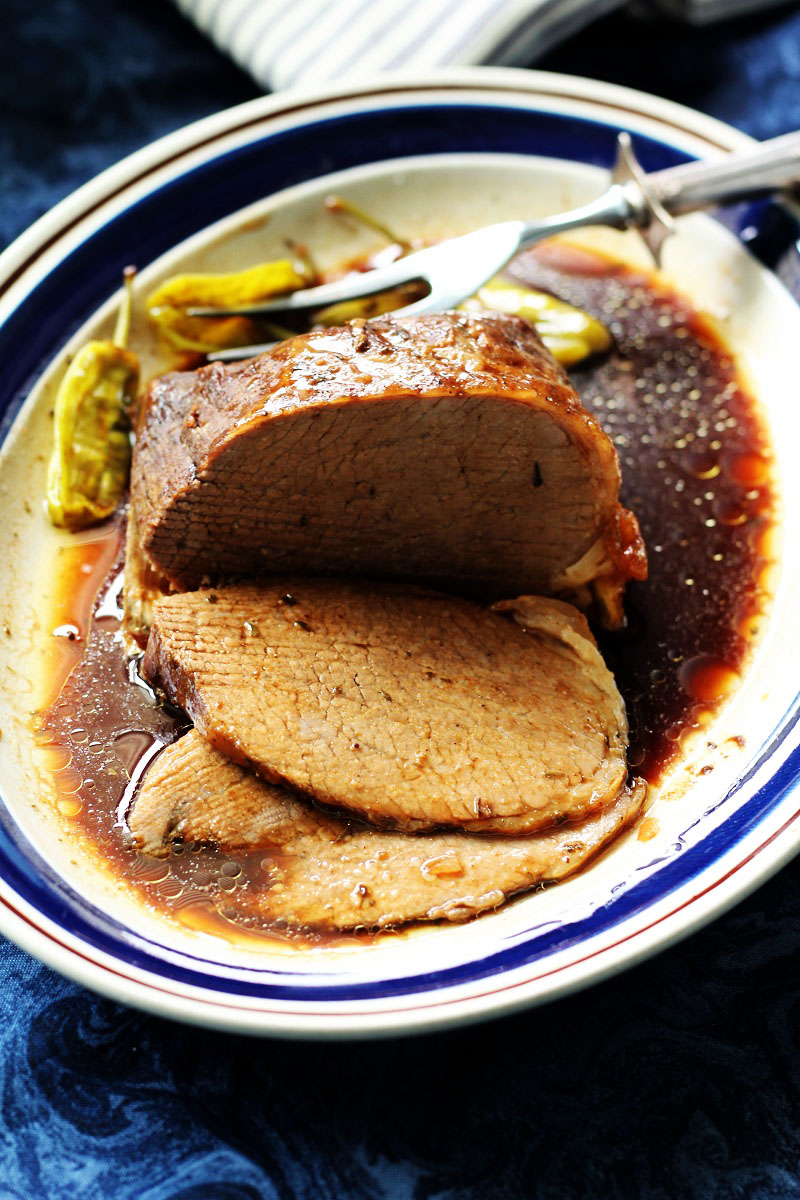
322,872
409,708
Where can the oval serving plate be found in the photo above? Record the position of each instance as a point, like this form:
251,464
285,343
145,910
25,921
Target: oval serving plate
434,158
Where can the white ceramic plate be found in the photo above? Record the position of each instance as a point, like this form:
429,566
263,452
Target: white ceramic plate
434,157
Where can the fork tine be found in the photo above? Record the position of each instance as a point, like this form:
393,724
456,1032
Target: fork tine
454,269
427,304
410,269
236,353
450,269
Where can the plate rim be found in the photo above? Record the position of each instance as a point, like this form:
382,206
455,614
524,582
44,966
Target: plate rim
166,153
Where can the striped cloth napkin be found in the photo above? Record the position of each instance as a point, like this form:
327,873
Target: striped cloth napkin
286,43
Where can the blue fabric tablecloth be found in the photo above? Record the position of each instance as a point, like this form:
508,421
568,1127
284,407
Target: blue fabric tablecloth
680,1078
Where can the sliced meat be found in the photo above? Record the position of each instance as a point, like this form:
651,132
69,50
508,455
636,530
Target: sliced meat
447,449
333,874
193,793
410,708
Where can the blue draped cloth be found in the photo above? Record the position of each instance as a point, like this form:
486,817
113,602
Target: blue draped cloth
680,1078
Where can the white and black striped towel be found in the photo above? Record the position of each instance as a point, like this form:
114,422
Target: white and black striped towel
284,43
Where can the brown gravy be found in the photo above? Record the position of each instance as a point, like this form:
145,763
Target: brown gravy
696,470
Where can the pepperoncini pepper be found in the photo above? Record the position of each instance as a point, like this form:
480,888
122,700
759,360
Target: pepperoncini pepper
365,307
168,304
91,455
569,333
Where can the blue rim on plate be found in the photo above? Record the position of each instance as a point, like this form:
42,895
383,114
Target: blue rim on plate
40,324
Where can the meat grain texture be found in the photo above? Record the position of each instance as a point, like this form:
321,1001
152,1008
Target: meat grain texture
332,874
409,708
449,449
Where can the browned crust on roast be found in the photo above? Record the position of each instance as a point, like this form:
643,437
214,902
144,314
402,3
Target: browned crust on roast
410,708
192,419
328,873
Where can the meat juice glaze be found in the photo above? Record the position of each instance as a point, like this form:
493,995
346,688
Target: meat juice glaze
696,470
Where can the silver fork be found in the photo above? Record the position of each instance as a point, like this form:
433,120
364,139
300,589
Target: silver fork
456,268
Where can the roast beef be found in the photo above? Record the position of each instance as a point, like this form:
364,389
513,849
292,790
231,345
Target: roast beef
328,873
448,449
411,708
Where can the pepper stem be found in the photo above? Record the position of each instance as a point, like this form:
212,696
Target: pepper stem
305,264
337,204
123,325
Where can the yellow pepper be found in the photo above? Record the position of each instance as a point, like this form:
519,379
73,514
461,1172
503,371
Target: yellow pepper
569,333
167,305
89,464
365,307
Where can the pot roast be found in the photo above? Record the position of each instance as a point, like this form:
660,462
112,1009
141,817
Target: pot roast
449,449
332,874
409,708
